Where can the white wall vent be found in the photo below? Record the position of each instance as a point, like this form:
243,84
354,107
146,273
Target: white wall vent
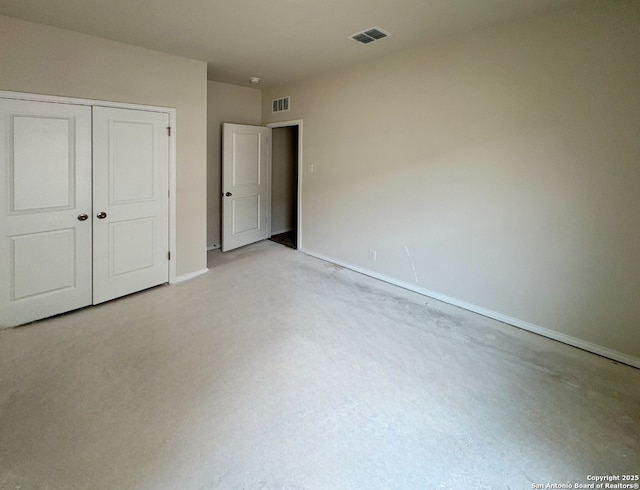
369,35
280,105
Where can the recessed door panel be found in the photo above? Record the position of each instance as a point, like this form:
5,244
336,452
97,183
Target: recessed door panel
130,201
246,159
130,246
45,185
131,162
31,255
246,214
46,165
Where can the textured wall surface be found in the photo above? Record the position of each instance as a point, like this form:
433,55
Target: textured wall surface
501,170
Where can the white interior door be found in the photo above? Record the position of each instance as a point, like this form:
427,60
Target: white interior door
246,185
45,209
130,201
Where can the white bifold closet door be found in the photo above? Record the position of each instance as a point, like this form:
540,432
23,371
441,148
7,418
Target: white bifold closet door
45,209
130,201
69,239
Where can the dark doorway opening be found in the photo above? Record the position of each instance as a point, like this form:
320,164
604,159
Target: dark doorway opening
284,185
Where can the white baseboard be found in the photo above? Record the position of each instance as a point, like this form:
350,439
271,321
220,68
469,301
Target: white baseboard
531,327
191,275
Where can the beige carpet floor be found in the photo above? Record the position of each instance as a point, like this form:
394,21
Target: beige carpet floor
279,371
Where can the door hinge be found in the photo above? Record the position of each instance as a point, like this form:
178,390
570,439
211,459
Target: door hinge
169,130
169,255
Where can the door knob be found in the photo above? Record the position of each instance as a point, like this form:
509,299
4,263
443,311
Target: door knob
228,194
83,217
101,215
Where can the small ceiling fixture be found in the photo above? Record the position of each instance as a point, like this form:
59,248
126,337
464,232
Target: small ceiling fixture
254,80
369,35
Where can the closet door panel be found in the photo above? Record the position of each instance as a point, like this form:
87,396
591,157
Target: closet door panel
131,202
45,192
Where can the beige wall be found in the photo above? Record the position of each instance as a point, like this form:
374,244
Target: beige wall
226,103
46,60
501,170
284,161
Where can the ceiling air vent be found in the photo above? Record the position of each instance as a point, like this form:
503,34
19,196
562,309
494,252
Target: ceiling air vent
280,105
370,35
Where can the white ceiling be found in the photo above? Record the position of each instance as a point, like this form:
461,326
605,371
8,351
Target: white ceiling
276,40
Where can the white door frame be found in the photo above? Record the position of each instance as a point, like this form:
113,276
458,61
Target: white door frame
298,123
172,149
